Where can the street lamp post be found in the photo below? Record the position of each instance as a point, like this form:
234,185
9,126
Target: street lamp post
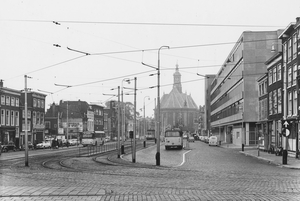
26,121
157,156
123,115
145,120
158,107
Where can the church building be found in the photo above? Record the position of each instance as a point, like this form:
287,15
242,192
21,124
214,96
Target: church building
178,109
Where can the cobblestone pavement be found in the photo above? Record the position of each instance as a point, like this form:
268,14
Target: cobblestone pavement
205,173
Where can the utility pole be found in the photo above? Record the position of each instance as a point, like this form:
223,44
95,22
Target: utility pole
26,126
67,122
119,122
134,125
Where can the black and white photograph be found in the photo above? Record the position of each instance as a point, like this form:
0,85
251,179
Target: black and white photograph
161,100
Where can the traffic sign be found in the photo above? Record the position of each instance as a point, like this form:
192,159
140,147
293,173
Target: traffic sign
286,128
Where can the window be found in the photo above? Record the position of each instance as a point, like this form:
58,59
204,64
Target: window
34,117
3,117
42,119
28,114
17,118
47,124
279,72
284,53
34,102
28,125
294,74
295,103
279,100
289,54
37,118
12,118
2,100
7,100
289,76
38,103
270,77
270,104
275,111
274,74
42,104
290,104
7,123
294,46
12,103
17,102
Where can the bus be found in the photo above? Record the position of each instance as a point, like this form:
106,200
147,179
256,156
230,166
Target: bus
92,138
150,134
173,139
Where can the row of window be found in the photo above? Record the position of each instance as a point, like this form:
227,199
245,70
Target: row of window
229,111
275,102
9,118
98,112
292,103
292,75
263,86
290,48
38,103
37,117
275,74
11,101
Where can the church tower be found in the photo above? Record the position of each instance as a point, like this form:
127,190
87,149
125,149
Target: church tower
177,80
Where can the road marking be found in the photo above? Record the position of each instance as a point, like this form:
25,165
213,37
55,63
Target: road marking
183,159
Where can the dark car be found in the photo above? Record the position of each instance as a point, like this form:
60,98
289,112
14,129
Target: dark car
9,147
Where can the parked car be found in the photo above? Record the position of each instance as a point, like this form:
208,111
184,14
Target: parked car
43,145
73,142
206,139
10,146
213,140
191,139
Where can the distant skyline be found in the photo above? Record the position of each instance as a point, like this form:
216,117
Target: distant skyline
92,46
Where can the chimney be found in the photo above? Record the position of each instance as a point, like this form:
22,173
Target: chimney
297,20
1,83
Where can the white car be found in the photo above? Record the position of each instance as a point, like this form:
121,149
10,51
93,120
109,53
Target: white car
43,145
213,140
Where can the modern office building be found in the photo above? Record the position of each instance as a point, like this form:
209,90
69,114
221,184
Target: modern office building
234,92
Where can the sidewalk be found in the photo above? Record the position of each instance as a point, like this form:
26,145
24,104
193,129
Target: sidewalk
292,162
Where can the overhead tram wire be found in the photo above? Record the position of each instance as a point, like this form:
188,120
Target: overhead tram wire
58,22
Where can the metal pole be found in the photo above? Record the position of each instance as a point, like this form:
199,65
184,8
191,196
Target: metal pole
285,151
145,129
67,123
119,122
134,125
123,121
158,107
26,126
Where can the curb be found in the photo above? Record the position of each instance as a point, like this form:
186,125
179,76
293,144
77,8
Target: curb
270,161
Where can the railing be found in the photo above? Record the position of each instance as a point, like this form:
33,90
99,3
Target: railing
92,150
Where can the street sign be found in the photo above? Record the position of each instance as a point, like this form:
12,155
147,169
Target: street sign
286,128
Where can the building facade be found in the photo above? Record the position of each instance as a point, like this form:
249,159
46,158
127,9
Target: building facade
35,117
290,61
178,109
234,96
98,111
10,115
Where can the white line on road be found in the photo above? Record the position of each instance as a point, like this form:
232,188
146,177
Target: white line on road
183,159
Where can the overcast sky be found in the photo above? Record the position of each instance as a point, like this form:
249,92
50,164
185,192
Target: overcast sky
119,36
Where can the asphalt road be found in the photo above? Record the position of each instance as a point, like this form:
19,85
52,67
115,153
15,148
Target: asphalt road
205,173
